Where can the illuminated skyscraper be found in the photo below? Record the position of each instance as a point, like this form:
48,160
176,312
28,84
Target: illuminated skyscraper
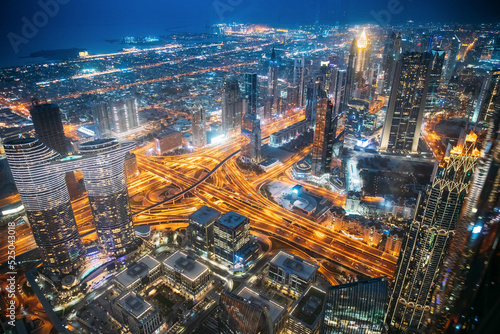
314,92
324,136
232,107
405,111
451,59
351,83
48,126
250,129
299,79
428,239
355,117
251,92
362,57
106,185
238,315
490,98
198,127
338,90
356,308
116,118
272,88
46,200
437,63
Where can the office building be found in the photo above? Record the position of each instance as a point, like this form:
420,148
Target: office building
238,315
136,314
199,127
351,82
233,244
356,308
232,107
275,311
251,93
48,126
291,273
362,54
401,132
107,192
437,63
428,238
355,117
167,141
272,86
138,274
306,314
299,80
251,147
116,118
47,204
314,92
200,231
187,275
339,90
324,136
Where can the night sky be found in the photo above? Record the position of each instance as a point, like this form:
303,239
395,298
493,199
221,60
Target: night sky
80,23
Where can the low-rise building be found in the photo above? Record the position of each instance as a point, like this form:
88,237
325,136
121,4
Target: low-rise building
136,313
200,231
275,311
187,275
291,272
167,141
306,313
138,274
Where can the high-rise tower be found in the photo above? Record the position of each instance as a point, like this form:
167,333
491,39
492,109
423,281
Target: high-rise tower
48,126
437,63
251,92
47,203
451,59
199,127
232,107
324,136
405,111
298,79
428,238
272,87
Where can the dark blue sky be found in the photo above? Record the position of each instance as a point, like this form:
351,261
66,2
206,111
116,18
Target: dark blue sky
81,23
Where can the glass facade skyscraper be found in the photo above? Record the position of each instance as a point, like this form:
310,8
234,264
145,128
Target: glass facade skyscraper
232,107
324,136
356,308
238,315
401,132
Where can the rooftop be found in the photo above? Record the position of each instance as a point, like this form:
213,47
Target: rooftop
307,309
136,271
204,215
187,266
134,304
231,220
275,310
295,265
166,133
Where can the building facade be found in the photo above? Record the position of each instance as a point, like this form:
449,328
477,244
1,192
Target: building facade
200,230
324,136
48,126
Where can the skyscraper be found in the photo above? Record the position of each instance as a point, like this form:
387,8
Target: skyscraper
314,92
362,58
388,59
251,147
324,135
272,88
437,63
106,186
351,84
116,118
491,98
356,308
251,92
47,203
338,90
428,238
451,59
198,127
232,107
401,131
355,117
299,79
48,126
238,315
